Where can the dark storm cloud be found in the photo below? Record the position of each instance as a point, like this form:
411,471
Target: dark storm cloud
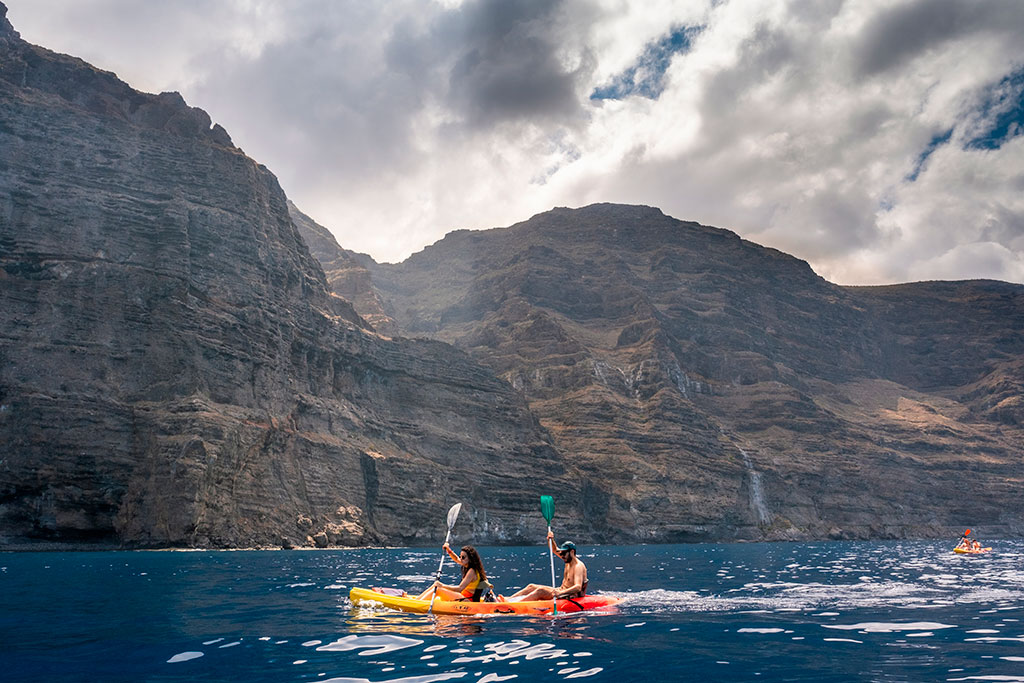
907,31
503,60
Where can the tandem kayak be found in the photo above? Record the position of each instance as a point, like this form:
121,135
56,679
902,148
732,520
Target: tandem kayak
405,603
964,551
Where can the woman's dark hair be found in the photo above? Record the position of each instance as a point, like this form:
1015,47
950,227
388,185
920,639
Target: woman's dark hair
474,562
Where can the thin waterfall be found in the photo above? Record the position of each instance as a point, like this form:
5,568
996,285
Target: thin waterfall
756,490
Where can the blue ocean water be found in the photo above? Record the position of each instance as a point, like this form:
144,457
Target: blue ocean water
843,611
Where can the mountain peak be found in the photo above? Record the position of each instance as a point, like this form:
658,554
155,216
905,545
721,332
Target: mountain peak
35,70
7,31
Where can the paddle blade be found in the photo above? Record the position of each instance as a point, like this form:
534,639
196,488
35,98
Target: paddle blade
453,514
547,508
967,533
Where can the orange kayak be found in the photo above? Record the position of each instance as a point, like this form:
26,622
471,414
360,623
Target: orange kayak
404,603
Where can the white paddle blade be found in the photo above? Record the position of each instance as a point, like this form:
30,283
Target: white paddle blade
453,515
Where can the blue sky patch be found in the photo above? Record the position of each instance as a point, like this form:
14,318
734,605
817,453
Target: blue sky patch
936,142
646,77
1003,111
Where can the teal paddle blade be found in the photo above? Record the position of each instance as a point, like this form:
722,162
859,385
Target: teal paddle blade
547,508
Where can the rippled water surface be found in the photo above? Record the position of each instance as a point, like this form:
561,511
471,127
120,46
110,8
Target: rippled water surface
894,611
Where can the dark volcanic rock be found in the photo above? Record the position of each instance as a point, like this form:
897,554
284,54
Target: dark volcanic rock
347,274
173,370
702,386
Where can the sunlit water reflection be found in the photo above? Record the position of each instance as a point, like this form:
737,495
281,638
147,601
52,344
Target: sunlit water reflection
890,611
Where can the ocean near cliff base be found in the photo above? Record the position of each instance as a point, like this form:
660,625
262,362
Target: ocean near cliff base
844,611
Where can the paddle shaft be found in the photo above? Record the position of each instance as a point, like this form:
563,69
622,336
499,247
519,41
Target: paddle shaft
437,577
551,553
453,514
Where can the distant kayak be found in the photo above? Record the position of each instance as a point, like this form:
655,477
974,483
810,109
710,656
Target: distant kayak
964,551
405,603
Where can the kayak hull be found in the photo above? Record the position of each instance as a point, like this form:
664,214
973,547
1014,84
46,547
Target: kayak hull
963,551
361,596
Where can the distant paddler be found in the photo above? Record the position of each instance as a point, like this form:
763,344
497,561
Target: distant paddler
967,546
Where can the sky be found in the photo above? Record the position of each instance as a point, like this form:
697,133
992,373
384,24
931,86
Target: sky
882,141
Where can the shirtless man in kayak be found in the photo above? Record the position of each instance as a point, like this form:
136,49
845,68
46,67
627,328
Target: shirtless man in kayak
574,580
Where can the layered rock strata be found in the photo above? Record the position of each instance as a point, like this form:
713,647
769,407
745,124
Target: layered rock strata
704,387
173,370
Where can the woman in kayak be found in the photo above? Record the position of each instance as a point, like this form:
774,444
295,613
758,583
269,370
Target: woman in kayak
474,585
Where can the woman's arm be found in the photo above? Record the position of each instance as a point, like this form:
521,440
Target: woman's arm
466,580
451,553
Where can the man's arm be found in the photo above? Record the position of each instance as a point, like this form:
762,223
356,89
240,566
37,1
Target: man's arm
577,582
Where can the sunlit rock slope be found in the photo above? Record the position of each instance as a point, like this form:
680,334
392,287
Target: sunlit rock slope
702,386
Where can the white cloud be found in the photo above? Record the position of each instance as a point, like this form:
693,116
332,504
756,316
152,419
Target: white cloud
838,132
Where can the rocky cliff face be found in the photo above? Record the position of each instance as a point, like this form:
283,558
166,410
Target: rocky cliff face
173,369
177,369
701,386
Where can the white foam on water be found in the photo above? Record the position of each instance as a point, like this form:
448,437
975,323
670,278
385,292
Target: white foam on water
300,585
843,640
1013,659
237,642
514,650
588,672
335,587
639,623
429,678
311,643
885,627
300,661
371,645
759,630
1009,679
211,642
923,634
184,657
984,630
434,648
495,677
